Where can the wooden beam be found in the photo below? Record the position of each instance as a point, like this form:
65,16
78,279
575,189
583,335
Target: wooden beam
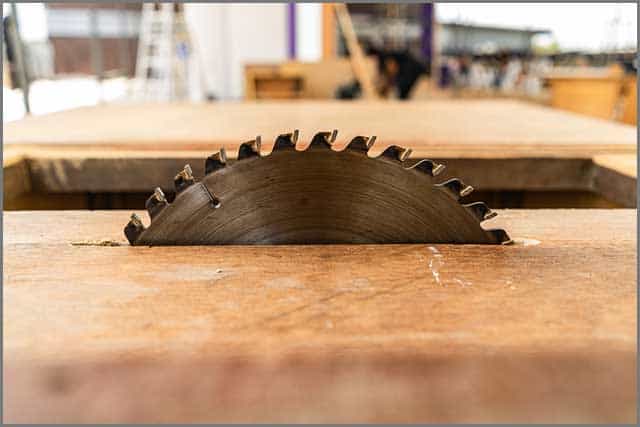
356,54
328,31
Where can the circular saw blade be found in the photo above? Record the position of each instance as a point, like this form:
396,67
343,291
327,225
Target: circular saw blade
316,195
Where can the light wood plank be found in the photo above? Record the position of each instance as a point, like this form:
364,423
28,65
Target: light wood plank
439,128
616,177
625,164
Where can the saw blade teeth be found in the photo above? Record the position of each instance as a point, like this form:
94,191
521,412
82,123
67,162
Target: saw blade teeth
286,141
490,214
456,187
183,179
333,136
215,161
360,143
480,211
500,236
429,167
323,139
396,153
250,148
392,161
438,168
156,203
466,190
133,228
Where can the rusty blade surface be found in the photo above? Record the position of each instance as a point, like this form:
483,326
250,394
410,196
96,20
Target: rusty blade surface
316,195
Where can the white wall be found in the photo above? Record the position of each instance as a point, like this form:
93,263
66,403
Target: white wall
227,36
309,31
32,20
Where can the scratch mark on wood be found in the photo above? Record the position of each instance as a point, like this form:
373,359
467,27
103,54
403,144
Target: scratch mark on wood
303,307
100,242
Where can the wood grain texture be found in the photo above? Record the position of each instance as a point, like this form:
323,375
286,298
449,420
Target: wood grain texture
437,333
439,128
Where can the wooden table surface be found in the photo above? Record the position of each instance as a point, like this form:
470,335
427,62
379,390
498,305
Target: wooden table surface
494,144
540,331
437,128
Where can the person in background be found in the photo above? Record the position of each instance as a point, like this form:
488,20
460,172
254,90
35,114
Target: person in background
398,72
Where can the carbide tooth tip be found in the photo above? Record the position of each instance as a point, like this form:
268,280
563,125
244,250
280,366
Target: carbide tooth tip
334,135
285,141
296,134
490,214
480,211
501,236
215,161
437,169
429,167
456,188
223,155
159,194
396,153
321,139
156,203
250,148
133,229
358,143
135,220
466,191
183,179
371,141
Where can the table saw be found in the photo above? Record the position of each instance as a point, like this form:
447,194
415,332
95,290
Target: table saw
540,330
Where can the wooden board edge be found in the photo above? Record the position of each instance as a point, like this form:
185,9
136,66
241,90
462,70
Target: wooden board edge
625,164
432,150
615,178
16,177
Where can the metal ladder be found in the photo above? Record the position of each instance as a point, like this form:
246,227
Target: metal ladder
164,49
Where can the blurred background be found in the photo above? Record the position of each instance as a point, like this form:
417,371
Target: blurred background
579,57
